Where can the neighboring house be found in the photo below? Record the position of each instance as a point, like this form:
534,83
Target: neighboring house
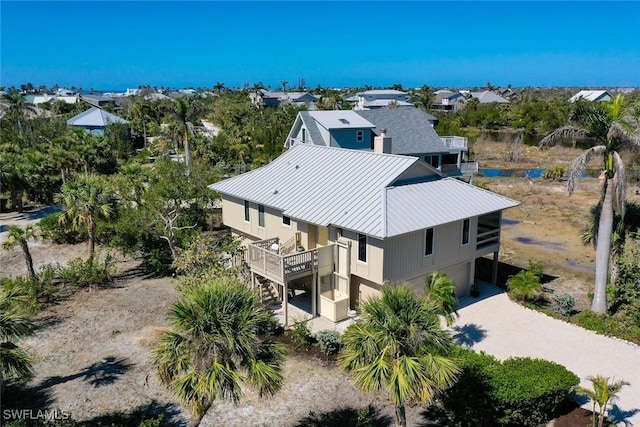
446,100
384,98
410,131
488,97
97,100
331,225
95,120
592,95
264,98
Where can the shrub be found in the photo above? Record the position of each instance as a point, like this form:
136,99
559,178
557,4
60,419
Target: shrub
563,304
92,272
519,391
555,173
524,285
52,230
536,268
329,341
32,290
300,334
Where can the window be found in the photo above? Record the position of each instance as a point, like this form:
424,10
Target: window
286,221
433,160
304,135
465,231
362,247
247,218
260,215
428,242
360,136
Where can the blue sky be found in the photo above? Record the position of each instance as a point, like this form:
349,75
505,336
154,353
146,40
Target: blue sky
115,45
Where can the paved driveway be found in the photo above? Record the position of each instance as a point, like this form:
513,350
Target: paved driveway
495,324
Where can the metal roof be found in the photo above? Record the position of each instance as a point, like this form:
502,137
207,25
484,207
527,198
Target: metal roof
488,96
340,119
323,185
352,189
375,92
590,95
385,102
428,204
95,117
410,130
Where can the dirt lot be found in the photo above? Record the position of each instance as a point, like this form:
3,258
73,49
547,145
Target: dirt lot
92,347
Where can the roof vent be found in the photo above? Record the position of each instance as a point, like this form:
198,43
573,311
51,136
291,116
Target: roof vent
275,192
344,121
297,167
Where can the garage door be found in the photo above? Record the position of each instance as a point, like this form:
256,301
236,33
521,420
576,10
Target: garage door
460,276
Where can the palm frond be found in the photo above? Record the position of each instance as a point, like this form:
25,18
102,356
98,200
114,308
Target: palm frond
579,165
15,362
565,133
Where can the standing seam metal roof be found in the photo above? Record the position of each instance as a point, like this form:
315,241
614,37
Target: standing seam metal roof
95,117
351,189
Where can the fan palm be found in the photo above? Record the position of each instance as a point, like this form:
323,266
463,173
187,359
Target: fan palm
442,291
85,199
399,346
214,346
14,361
601,393
20,236
613,125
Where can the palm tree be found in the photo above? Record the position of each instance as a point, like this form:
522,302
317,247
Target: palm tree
85,199
601,393
441,290
20,236
613,126
399,346
185,112
14,361
214,346
140,112
18,107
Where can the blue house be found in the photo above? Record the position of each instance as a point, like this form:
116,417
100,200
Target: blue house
406,131
95,120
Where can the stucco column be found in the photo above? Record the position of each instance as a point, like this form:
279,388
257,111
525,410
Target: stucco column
314,295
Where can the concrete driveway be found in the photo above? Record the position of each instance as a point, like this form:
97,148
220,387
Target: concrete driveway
495,324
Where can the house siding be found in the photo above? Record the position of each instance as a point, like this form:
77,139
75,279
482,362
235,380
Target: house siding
348,138
372,269
405,260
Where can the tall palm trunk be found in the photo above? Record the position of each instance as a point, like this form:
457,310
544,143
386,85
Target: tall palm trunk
91,230
27,257
401,417
187,151
603,249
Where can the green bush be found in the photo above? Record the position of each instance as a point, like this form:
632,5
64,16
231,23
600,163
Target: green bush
32,291
524,285
52,230
90,273
555,173
563,304
536,268
620,325
300,334
329,341
517,392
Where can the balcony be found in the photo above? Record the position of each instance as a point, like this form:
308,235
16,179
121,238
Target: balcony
265,259
466,168
456,142
487,236
294,141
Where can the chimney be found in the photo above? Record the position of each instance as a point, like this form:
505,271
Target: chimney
382,143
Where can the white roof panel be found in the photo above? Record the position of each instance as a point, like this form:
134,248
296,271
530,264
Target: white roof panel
340,119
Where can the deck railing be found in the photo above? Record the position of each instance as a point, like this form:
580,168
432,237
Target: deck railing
469,168
454,141
487,237
269,263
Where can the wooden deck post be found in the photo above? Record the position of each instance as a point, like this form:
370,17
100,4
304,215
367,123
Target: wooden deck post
285,303
494,269
253,280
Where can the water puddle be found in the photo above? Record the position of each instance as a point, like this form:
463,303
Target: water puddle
548,245
507,221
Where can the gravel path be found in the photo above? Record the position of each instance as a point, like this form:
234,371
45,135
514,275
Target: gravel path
503,328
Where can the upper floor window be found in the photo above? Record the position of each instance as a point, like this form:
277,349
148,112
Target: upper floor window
304,135
428,242
360,136
286,221
247,216
362,247
260,215
465,231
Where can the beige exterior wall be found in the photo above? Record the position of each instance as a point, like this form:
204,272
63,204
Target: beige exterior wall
233,216
361,289
461,274
372,269
405,260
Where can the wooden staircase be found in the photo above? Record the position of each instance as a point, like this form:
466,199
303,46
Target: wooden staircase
268,292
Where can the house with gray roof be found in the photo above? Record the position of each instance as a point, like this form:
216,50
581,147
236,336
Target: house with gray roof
265,98
446,100
487,97
329,226
410,131
95,120
592,95
382,98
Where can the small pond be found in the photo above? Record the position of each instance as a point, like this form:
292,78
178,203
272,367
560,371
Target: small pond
524,173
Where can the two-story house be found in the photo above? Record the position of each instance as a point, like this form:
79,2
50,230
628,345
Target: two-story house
339,223
382,98
410,129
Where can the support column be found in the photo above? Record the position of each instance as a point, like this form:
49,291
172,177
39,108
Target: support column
285,303
253,280
314,295
494,269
